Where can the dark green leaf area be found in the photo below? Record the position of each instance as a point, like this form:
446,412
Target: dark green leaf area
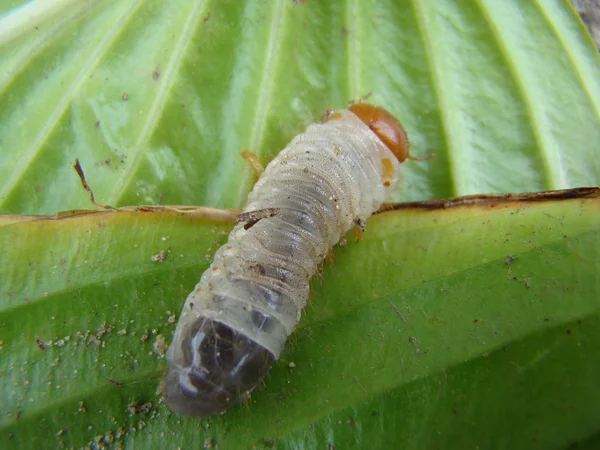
540,392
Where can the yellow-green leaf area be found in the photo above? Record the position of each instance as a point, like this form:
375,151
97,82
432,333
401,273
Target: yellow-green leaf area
455,325
391,314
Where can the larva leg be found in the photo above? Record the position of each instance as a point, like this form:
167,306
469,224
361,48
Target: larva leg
329,256
360,223
420,158
358,233
360,99
326,115
254,162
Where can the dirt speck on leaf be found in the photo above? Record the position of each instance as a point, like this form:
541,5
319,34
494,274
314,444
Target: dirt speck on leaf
159,345
159,257
40,344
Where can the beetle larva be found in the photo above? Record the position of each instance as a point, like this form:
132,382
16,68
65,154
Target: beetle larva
236,321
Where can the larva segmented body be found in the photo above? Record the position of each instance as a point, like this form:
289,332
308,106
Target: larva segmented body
236,321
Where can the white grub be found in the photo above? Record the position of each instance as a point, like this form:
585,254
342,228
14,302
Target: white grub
328,180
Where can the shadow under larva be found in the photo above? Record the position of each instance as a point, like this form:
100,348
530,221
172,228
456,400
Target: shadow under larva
235,323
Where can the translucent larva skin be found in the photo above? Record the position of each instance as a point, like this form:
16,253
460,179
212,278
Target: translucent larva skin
236,321
231,365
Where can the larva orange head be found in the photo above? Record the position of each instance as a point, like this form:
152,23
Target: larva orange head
385,126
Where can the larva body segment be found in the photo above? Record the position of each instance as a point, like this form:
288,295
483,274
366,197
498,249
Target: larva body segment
236,321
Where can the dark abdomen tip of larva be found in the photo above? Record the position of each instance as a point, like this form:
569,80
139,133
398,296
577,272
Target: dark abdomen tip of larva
220,365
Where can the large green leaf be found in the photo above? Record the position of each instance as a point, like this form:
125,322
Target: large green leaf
410,332
157,99
455,327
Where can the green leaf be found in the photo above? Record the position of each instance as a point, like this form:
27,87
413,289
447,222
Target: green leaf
407,330
443,328
157,100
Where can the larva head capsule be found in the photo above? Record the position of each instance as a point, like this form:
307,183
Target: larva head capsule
218,367
385,126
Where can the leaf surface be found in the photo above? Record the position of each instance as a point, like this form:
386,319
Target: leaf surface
450,327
